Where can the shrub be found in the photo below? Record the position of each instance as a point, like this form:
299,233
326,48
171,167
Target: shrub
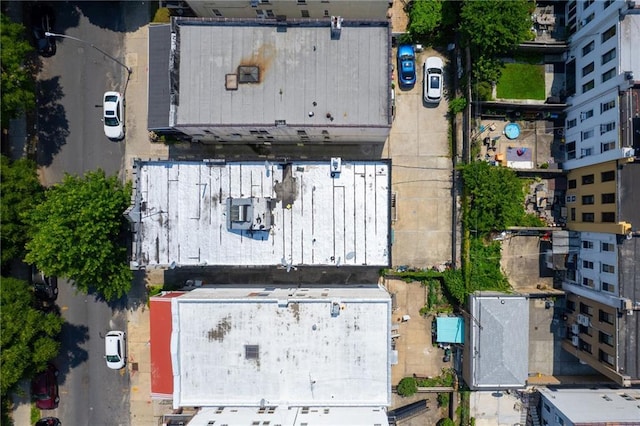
443,400
162,15
457,105
446,422
484,91
407,386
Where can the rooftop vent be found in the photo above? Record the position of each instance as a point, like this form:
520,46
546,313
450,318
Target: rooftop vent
251,351
231,82
251,214
248,74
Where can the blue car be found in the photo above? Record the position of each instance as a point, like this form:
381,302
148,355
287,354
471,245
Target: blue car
406,66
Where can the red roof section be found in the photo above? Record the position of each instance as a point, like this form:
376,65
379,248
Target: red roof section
161,370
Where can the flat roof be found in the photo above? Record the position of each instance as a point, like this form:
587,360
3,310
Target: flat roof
179,214
299,64
450,329
274,346
158,89
160,334
599,405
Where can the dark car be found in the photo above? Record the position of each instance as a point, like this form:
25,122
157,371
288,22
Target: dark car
48,421
45,288
44,388
42,20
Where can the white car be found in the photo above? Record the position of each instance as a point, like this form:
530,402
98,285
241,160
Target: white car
114,349
433,79
113,115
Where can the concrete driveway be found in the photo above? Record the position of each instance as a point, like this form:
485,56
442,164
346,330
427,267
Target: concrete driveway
422,173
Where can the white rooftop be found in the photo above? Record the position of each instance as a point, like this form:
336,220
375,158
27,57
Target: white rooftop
591,406
273,347
179,214
292,416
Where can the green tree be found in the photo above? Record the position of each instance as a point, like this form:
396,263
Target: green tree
407,386
28,336
494,27
425,17
496,197
17,85
20,192
78,233
446,422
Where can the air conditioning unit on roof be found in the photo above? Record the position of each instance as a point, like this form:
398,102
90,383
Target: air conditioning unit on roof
575,341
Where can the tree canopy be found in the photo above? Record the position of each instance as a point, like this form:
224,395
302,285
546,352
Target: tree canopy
78,233
425,17
17,86
21,191
496,195
28,336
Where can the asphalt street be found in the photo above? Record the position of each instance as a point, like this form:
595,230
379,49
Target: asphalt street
71,140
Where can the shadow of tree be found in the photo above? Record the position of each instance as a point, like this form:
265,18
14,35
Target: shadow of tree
72,354
53,126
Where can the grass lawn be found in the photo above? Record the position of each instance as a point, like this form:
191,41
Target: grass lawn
521,81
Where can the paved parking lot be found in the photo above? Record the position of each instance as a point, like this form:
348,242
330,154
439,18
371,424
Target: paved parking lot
422,169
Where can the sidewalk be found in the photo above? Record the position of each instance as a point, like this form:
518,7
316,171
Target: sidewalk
143,410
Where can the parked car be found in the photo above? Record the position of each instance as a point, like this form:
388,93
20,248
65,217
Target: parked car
433,79
42,20
49,421
44,388
406,66
113,115
114,349
45,288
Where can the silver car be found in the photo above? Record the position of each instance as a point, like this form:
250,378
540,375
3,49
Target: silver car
113,115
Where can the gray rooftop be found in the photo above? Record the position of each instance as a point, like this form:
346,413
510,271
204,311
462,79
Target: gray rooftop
158,81
596,405
299,64
499,341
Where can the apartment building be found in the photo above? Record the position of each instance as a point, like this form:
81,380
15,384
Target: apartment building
603,82
593,406
263,82
291,9
274,355
249,214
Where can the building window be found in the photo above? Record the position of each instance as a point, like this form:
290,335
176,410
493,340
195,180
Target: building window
588,217
268,13
607,146
587,179
216,12
571,123
571,150
586,244
572,183
607,247
587,282
587,134
588,69
571,305
587,264
604,316
588,86
608,75
608,268
304,13
608,198
588,48
586,4
610,55
326,13
587,199
608,217
573,213
606,106
585,152
586,309
608,3
608,176
605,338
605,357
608,33
570,199
586,115
607,127
585,346
608,287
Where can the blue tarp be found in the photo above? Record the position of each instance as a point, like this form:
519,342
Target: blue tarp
450,329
